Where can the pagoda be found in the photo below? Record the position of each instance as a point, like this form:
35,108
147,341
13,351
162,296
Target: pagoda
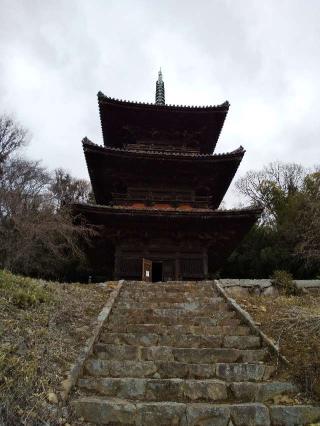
158,186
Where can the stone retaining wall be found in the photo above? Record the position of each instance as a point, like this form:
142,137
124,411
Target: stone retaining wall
263,287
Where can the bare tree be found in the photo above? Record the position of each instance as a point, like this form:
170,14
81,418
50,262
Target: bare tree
266,187
309,220
37,236
67,189
12,137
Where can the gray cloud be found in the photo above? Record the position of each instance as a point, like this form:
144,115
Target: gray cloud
262,56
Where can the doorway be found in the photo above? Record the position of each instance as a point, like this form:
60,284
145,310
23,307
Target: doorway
157,273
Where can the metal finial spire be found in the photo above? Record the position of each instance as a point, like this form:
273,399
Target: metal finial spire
160,99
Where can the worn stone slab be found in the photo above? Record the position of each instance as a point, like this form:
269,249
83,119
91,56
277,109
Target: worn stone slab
308,284
157,389
254,414
294,415
237,372
189,355
216,318
153,339
160,413
211,303
183,309
242,342
169,294
261,392
160,298
206,415
262,283
240,372
225,327
119,368
101,411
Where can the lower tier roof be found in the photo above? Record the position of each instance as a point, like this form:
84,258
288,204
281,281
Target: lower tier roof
218,232
104,214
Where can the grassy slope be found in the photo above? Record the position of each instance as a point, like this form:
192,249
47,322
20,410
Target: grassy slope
294,323
42,327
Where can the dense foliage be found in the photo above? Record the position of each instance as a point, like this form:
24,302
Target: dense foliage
288,235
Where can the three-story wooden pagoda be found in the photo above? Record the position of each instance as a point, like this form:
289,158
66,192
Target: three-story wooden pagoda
158,185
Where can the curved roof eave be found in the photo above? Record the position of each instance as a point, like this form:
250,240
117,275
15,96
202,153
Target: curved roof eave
251,211
237,153
224,107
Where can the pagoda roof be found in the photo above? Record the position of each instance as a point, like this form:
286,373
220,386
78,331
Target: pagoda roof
125,122
157,154
173,214
220,230
108,165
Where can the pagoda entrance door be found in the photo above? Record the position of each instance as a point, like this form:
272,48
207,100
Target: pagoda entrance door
157,272
146,270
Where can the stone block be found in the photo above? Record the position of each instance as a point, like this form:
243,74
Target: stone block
206,415
295,415
204,355
268,391
252,414
160,413
209,390
253,355
157,353
240,372
101,411
242,342
124,352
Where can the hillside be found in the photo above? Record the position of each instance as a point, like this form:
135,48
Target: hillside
42,327
293,322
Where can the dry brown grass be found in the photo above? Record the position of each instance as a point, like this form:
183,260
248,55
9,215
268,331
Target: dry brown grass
294,324
42,327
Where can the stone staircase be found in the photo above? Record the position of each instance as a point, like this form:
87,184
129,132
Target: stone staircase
176,354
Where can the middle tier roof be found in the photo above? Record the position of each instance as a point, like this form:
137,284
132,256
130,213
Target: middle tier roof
206,175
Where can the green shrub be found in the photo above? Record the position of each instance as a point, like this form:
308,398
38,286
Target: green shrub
284,282
23,292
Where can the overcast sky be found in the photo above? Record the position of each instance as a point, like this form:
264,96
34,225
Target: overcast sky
261,56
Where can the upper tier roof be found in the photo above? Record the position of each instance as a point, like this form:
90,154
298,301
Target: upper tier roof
183,127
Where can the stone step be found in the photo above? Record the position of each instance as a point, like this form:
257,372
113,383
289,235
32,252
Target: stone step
171,288
230,327
155,304
231,372
157,389
120,411
173,294
186,390
217,318
182,340
178,286
160,298
189,355
171,310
